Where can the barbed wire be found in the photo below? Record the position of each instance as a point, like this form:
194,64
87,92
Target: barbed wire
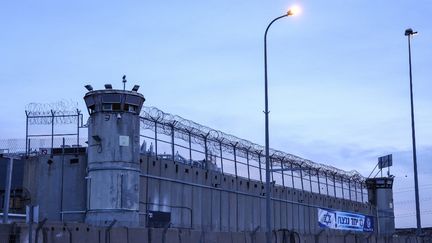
66,112
17,146
61,112
165,123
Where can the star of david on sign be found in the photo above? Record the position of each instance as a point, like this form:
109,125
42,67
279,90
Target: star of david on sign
327,218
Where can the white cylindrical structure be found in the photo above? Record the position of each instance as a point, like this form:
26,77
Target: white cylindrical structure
113,157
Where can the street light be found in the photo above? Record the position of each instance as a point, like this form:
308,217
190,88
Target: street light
409,33
290,12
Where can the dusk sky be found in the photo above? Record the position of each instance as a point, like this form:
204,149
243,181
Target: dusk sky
338,73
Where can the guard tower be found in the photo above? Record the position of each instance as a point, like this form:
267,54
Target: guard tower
380,194
113,156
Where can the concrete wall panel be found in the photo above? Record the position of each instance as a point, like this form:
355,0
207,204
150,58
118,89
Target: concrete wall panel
138,235
206,201
154,186
248,210
241,207
311,213
233,205
263,208
117,235
226,238
225,204
216,201
239,237
256,189
289,206
197,199
276,207
171,236
165,188
186,198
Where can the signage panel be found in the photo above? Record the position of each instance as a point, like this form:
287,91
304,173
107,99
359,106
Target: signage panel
344,220
385,161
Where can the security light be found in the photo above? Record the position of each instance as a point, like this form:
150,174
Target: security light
135,88
89,87
108,86
410,32
294,11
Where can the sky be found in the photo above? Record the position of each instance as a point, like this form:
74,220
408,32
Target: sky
338,73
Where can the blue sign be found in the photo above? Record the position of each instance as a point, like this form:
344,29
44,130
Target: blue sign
344,221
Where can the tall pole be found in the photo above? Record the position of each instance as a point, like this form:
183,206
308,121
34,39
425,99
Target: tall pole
409,33
267,149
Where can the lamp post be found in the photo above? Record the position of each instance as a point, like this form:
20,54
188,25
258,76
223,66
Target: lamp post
409,33
267,149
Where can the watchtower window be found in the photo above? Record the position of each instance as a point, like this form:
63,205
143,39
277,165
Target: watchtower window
130,108
116,107
111,98
91,109
133,100
107,107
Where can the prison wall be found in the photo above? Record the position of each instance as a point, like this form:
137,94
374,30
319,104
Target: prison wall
83,233
211,201
57,185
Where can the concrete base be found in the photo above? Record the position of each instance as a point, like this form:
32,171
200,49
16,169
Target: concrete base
83,233
106,218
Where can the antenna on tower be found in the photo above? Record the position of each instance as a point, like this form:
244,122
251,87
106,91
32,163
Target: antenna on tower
124,82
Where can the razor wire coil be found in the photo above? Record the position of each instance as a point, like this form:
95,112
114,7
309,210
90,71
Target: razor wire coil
66,112
61,112
165,123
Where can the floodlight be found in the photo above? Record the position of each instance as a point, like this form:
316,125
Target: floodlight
89,87
409,32
294,10
135,88
108,86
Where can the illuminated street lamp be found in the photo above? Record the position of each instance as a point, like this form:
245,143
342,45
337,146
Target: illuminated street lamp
409,33
292,11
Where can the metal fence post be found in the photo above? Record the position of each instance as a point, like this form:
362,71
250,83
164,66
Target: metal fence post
310,180
155,139
206,150
52,132
342,183
172,142
318,179
235,158
349,188
78,131
221,158
27,139
282,171
301,176
259,165
271,167
355,190
292,175
327,186
334,184
190,147
247,162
